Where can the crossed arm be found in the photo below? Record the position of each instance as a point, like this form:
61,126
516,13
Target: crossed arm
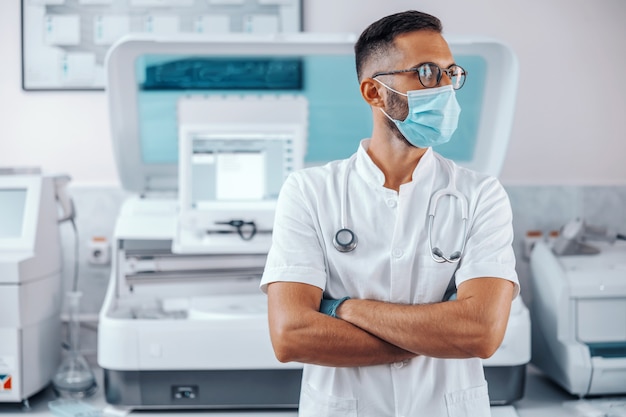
372,332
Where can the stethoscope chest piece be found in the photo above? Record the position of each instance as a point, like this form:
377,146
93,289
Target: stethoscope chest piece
345,240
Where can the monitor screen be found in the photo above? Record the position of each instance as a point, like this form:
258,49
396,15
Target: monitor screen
13,203
240,169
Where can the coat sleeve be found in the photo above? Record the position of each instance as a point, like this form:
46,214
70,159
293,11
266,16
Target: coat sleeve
489,246
296,254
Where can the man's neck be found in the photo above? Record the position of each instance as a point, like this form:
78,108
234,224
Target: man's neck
395,158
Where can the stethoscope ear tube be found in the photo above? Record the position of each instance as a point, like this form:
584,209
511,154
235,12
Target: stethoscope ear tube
436,253
451,191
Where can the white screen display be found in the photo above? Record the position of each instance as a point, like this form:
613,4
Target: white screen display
240,176
12,205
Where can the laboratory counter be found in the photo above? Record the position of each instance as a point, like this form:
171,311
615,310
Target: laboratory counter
542,398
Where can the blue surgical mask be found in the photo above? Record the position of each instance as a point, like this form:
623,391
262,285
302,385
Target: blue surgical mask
433,116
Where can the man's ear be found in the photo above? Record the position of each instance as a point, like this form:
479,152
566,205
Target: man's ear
371,92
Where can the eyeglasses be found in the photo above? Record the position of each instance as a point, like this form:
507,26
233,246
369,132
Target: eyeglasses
430,74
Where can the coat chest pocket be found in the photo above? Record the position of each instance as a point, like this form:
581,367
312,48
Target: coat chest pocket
433,279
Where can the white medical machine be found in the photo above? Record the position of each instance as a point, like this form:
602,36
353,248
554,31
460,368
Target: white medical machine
205,130
579,315
30,280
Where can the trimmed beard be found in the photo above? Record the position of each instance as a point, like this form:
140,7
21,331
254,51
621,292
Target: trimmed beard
399,107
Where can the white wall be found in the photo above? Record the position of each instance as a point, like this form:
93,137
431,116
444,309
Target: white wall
569,128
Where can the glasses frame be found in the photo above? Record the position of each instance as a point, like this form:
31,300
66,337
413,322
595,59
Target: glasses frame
447,71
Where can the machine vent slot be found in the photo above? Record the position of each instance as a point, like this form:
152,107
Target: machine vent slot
608,350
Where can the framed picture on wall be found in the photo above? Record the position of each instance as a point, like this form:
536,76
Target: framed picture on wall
64,42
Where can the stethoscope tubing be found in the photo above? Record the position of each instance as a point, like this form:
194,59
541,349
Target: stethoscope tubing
452,191
350,244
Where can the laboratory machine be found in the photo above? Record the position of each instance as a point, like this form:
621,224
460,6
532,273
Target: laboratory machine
30,279
205,130
579,310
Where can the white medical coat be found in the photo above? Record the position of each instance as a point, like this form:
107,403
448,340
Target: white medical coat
392,262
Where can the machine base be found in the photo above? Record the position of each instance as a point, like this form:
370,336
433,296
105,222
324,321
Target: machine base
506,383
215,389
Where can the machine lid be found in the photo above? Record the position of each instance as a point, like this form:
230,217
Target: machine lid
146,75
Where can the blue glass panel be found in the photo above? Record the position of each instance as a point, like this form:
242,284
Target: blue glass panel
338,116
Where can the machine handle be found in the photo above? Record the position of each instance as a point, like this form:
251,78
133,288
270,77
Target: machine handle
63,197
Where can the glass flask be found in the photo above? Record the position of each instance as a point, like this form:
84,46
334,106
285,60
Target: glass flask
74,378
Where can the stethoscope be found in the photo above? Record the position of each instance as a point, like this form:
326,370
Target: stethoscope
345,240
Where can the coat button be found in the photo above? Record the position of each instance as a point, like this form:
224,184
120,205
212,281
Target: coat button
401,364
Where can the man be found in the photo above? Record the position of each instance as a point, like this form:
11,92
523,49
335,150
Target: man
366,317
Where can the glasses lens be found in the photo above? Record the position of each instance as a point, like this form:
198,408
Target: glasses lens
429,75
457,76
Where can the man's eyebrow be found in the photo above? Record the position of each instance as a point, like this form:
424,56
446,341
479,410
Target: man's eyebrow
431,62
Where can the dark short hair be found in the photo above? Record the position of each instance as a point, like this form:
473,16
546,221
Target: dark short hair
378,38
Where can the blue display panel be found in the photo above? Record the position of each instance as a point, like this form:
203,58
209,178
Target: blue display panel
338,116
245,73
